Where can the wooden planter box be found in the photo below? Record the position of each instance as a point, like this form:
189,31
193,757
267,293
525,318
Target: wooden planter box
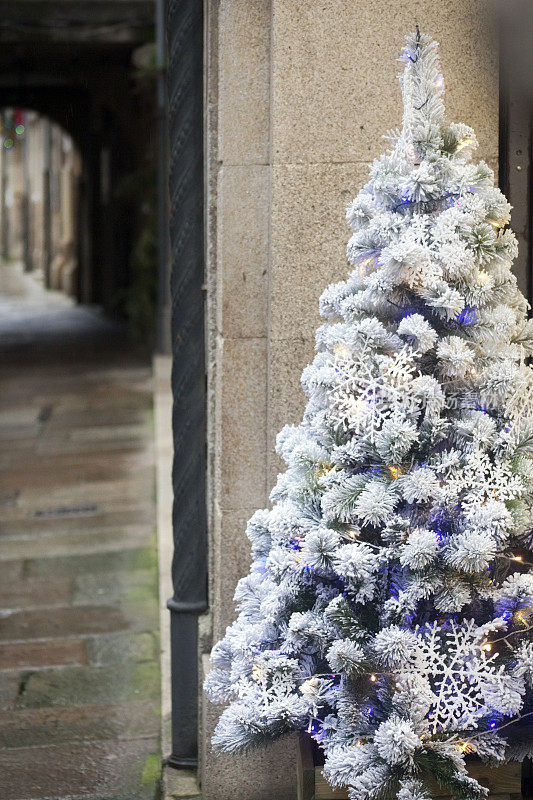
504,782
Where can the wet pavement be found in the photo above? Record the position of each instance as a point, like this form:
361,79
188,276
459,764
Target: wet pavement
79,647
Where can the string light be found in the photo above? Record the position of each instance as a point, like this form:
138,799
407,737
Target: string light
463,143
363,265
258,673
357,406
482,278
310,686
517,558
410,151
296,544
341,350
373,678
487,647
325,470
395,472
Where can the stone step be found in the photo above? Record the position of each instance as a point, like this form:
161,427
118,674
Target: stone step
115,770
30,727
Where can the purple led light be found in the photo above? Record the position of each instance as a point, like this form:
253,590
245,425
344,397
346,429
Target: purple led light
466,316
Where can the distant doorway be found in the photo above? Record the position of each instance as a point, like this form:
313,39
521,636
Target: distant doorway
40,187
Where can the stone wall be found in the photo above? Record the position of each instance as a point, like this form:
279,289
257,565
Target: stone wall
298,97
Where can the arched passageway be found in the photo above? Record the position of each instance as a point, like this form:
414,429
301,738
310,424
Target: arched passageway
87,68
41,195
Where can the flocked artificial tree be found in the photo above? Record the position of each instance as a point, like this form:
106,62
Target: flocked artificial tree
389,606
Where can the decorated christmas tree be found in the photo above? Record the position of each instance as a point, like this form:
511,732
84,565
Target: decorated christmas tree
389,607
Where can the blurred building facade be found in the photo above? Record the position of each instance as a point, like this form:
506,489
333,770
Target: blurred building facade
40,171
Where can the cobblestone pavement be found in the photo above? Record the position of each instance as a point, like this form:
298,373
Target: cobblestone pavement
79,650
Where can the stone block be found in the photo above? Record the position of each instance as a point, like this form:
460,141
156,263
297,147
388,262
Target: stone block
136,558
309,238
264,774
79,686
286,398
241,431
100,770
11,570
123,647
244,81
10,685
232,558
334,74
21,593
180,784
68,543
55,652
59,622
35,727
242,278
113,587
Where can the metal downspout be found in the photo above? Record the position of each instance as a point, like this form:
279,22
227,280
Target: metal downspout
189,568
163,274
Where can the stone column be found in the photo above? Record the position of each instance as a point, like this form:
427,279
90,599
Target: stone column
238,219
298,98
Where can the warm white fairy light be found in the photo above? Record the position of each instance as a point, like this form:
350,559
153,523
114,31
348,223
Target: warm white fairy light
341,351
464,143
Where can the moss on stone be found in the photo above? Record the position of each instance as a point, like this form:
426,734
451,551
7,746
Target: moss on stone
152,769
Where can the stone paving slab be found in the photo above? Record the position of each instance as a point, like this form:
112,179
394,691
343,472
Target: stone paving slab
10,683
11,570
111,587
98,541
62,466
112,493
121,560
34,727
115,648
79,686
72,517
114,769
18,593
60,653
79,619
60,621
